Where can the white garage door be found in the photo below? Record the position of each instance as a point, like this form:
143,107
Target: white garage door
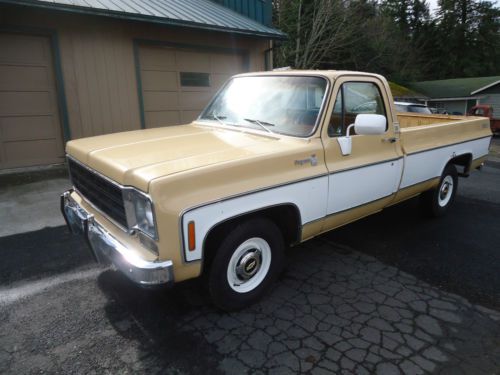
30,131
177,84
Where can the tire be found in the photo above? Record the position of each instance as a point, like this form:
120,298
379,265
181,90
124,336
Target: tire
436,202
246,264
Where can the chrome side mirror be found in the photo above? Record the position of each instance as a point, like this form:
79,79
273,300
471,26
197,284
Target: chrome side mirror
364,124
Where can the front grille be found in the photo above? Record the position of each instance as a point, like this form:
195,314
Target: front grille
100,192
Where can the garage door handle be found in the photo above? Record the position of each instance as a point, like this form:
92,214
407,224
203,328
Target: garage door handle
390,140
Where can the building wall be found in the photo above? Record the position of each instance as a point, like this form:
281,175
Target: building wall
98,62
259,10
450,106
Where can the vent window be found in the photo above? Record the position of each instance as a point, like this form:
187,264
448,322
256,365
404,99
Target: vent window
190,79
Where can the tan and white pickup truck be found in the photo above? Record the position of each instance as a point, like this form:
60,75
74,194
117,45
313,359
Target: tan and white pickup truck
275,159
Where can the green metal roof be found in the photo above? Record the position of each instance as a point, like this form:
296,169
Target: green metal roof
399,91
454,88
198,14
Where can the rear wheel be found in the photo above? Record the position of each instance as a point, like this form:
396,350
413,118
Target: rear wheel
246,263
436,202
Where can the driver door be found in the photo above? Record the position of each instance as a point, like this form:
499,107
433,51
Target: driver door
367,179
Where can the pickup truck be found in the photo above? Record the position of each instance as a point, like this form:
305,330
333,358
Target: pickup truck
485,110
275,159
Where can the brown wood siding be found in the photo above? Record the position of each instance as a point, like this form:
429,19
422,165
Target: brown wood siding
99,70
30,130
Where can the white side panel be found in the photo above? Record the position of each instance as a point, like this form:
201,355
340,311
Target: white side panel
355,187
430,164
309,196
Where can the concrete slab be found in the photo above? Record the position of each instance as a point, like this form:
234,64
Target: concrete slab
32,206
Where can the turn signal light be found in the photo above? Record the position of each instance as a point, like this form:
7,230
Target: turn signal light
191,236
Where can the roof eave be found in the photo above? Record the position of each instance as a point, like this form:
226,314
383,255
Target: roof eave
485,87
452,99
144,18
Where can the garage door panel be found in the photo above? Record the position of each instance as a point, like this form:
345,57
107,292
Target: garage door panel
162,118
29,151
194,101
219,79
161,100
24,78
25,103
159,80
27,128
189,116
193,61
157,58
198,89
23,49
228,64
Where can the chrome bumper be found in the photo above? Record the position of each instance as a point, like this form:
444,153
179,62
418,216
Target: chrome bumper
108,250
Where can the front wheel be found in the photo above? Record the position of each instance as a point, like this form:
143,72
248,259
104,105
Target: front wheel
436,202
246,263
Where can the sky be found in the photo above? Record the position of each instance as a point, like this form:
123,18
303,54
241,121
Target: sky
433,4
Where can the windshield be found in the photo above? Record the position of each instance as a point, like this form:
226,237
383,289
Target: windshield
419,109
277,104
413,108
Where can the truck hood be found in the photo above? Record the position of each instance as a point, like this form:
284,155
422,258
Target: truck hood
135,158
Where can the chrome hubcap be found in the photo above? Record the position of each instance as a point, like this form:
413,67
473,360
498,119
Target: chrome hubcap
445,191
249,264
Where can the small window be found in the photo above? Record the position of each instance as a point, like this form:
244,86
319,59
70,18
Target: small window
191,79
354,98
479,111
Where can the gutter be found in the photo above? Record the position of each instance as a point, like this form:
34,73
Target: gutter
452,99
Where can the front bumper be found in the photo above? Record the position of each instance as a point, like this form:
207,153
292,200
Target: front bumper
107,249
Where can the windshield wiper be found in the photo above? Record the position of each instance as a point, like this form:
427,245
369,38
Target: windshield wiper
262,124
213,116
219,118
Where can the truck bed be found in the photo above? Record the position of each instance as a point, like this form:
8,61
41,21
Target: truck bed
425,132
430,141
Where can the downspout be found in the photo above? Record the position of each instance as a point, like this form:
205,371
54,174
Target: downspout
268,57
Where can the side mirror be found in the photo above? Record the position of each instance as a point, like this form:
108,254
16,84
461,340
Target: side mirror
369,124
364,124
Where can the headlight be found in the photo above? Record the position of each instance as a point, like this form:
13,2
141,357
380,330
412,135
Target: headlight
139,211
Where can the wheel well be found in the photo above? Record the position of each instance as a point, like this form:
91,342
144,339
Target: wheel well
463,161
286,217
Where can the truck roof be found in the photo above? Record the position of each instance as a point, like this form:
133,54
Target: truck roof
332,74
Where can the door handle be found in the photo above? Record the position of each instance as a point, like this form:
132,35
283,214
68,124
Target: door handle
390,140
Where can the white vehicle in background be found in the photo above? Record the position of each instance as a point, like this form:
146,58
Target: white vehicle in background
412,107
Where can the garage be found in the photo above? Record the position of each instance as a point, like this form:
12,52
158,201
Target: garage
177,83
30,128
75,69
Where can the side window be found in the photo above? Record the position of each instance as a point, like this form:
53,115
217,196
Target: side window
336,126
354,98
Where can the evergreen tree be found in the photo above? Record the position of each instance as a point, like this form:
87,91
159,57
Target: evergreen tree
468,32
399,11
398,38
